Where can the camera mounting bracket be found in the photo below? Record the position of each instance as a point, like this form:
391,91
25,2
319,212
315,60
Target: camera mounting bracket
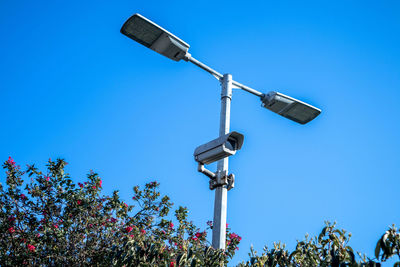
219,178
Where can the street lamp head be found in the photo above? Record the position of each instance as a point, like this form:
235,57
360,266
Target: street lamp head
289,107
154,37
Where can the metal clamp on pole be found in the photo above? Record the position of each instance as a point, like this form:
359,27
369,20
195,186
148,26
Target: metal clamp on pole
216,179
223,180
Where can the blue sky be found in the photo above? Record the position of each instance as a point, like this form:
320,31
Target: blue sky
72,86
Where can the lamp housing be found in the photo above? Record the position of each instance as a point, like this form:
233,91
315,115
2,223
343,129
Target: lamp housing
289,107
151,35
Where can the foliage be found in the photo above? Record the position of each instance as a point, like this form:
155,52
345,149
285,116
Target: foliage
330,248
389,244
51,221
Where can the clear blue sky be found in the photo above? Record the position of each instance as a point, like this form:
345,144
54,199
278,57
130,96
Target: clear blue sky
72,86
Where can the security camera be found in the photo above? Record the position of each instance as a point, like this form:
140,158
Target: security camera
222,147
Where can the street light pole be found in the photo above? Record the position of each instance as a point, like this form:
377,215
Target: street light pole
154,37
221,192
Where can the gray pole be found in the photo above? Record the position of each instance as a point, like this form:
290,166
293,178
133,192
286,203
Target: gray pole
220,202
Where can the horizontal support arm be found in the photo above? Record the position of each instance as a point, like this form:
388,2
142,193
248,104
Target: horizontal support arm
247,89
219,76
216,74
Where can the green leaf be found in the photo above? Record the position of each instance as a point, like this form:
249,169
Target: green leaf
323,232
351,253
180,260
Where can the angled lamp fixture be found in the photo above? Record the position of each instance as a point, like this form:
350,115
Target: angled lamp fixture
289,107
154,37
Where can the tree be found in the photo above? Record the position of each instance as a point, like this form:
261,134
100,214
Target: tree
52,221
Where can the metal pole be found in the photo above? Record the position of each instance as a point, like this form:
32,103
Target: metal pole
220,202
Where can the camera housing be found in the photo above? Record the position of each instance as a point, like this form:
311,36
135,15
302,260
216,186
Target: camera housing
219,148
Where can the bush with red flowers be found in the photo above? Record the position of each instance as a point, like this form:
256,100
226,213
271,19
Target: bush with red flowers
51,221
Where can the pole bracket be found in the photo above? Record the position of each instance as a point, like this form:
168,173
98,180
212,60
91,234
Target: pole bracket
228,181
218,179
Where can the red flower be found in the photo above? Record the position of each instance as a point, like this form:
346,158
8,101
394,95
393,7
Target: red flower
128,229
23,196
11,161
131,236
235,236
126,205
55,226
172,264
198,235
11,218
195,238
143,231
93,187
47,178
100,183
31,248
171,225
79,202
11,230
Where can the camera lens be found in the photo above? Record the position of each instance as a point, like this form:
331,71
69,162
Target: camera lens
230,144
